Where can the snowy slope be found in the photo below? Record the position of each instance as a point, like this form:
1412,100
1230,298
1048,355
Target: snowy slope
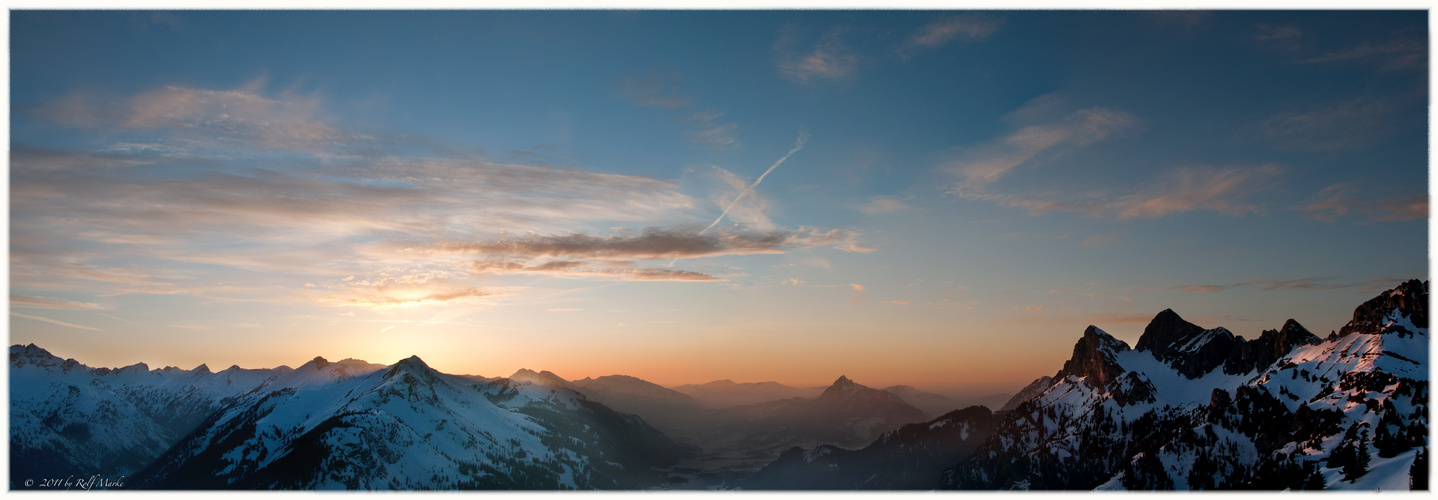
1197,408
65,416
333,426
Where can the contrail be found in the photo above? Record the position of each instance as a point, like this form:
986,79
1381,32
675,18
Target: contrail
798,144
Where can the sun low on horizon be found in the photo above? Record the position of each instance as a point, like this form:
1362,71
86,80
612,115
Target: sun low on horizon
941,199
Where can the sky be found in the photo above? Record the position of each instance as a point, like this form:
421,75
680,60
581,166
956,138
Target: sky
943,199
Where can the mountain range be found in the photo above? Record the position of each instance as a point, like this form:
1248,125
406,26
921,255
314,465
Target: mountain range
1185,407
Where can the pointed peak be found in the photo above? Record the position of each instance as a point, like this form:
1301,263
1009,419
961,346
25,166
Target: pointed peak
842,386
410,363
203,369
233,368
135,368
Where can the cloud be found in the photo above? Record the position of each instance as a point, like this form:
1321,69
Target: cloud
27,301
945,30
1401,209
400,295
987,163
1100,239
880,205
660,89
1223,190
1269,285
1334,202
712,133
241,117
1340,126
1203,288
613,270
53,322
663,90
1396,54
1184,18
1283,35
1337,200
662,243
828,61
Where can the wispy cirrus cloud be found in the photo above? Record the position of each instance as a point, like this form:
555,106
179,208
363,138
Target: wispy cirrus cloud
709,131
1337,200
1223,190
1351,124
1269,285
665,90
985,164
1227,191
883,205
950,28
828,60
27,301
204,118
1283,36
53,322
1100,240
658,89
1398,53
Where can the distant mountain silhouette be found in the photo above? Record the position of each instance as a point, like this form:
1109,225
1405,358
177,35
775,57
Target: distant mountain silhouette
726,393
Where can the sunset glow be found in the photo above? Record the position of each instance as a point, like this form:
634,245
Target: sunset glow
938,199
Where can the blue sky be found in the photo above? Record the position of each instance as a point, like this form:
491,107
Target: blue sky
950,197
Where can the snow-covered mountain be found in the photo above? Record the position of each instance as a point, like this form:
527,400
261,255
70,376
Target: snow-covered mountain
1195,408
65,416
407,426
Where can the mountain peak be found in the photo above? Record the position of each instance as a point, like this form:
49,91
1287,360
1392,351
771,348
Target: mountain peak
1392,311
32,355
413,360
319,362
842,386
1093,357
545,378
203,369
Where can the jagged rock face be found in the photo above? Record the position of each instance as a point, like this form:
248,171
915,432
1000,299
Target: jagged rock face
1093,358
1269,346
1189,348
1409,300
1349,412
